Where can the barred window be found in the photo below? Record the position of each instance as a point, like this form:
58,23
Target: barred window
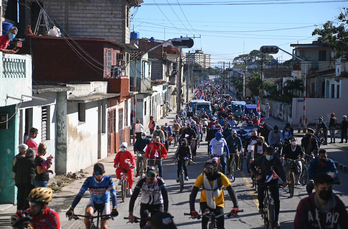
45,123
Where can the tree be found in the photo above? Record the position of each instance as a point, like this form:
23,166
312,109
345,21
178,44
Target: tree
335,36
253,56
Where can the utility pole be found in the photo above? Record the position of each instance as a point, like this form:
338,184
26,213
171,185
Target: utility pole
187,80
135,99
179,82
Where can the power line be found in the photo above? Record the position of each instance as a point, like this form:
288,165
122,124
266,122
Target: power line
230,3
178,16
186,17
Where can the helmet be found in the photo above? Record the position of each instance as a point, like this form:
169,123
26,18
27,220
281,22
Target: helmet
41,195
210,164
332,114
20,218
344,116
320,118
151,169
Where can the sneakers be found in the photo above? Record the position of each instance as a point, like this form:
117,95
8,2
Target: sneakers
297,183
177,180
277,225
186,178
130,192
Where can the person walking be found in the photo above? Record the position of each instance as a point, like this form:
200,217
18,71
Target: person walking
152,125
22,149
139,128
332,127
24,180
344,128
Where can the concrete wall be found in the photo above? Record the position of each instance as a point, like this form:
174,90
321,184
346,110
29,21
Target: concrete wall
83,19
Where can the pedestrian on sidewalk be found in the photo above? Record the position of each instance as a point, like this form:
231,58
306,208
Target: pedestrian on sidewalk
22,149
151,125
344,128
42,167
31,143
332,127
139,128
25,175
267,110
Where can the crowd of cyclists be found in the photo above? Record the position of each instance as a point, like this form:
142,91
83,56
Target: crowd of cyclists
230,134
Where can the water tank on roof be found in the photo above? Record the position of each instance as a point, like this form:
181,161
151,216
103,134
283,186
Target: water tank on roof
152,39
134,35
6,26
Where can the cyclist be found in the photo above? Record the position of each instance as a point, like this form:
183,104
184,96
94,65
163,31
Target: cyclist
125,161
159,133
189,133
268,164
263,131
287,133
275,139
101,188
176,128
154,196
234,144
248,147
156,151
212,197
293,151
218,148
322,209
309,143
183,152
321,164
42,217
139,147
322,125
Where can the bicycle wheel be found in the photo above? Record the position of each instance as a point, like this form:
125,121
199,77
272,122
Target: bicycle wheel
271,216
123,190
141,166
291,183
233,170
304,176
240,164
182,177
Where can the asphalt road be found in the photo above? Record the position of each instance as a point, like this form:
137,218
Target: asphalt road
179,202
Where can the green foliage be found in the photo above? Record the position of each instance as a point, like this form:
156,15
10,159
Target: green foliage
291,87
253,56
335,36
254,83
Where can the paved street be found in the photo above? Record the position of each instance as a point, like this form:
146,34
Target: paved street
179,201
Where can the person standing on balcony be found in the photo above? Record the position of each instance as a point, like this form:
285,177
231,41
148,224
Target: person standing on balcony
5,41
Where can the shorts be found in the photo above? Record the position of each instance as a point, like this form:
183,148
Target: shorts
104,207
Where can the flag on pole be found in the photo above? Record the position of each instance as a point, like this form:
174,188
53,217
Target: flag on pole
258,107
271,177
202,95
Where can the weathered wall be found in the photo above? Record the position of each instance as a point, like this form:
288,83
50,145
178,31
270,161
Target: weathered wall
83,19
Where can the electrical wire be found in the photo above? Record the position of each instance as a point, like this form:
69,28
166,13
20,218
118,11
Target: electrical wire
186,17
112,18
167,17
178,16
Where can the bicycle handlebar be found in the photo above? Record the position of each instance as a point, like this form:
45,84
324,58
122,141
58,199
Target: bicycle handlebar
76,217
212,214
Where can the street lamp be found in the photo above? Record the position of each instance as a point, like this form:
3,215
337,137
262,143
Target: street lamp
272,49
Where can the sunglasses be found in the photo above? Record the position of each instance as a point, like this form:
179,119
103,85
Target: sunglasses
98,173
150,175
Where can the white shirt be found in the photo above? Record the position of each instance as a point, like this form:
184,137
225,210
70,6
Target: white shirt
139,128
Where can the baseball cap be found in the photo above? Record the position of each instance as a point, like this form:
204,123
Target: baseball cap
99,167
270,150
162,220
124,144
233,132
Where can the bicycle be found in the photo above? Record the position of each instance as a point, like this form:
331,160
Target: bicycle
124,183
211,215
140,156
268,211
233,166
138,219
182,173
291,179
304,174
99,216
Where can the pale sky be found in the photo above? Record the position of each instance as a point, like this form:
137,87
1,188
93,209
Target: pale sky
231,28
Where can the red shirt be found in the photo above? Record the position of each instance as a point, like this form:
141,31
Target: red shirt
4,41
156,151
32,144
125,159
49,219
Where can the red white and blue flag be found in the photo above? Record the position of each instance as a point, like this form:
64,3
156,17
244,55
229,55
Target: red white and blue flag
202,95
271,177
258,107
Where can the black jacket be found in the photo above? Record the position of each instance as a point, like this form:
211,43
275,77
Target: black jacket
183,151
266,168
25,171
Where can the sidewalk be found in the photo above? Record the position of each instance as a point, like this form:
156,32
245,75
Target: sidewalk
63,199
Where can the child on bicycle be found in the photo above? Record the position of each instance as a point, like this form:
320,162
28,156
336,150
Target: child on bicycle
183,155
125,161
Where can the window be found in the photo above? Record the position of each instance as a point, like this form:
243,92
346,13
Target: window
45,123
82,112
103,117
145,108
332,90
338,92
322,55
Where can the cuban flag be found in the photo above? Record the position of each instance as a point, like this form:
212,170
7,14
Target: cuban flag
202,95
271,177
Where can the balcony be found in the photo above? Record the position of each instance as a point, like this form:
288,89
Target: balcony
15,78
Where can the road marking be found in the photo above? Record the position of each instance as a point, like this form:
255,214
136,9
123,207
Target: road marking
251,190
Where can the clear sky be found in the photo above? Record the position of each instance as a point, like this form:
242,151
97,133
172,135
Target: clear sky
228,28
